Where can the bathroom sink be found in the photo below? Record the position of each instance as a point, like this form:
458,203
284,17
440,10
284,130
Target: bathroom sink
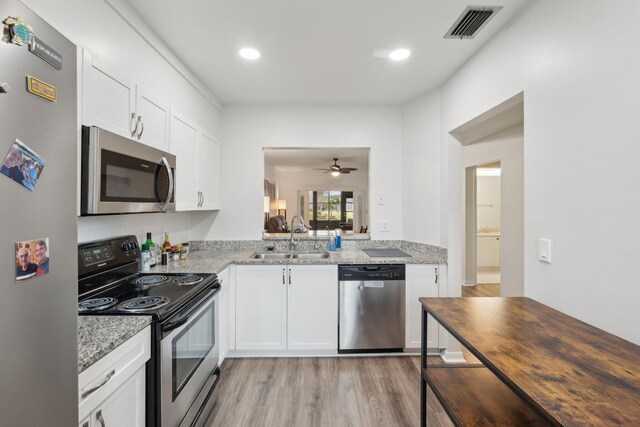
311,255
270,255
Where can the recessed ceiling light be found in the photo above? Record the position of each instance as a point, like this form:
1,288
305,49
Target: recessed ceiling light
249,53
399,54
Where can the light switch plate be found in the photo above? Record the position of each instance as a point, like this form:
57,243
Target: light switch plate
544,250
383,226
380,199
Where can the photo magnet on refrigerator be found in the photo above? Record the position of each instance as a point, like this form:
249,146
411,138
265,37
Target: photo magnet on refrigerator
32,258
23,165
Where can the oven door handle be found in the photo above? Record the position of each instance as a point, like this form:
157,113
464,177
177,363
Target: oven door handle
173,325
186,314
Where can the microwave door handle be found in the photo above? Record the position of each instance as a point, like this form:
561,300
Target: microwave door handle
167,199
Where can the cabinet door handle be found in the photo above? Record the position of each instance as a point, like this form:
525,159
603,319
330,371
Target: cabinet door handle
290,282
106,380
283,280
134,121
100,419
436,281
141,127
202,204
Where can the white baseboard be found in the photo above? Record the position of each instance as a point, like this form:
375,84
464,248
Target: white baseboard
453,357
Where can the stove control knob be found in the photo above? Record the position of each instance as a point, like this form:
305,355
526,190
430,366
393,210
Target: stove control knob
135,245
130,246
124,247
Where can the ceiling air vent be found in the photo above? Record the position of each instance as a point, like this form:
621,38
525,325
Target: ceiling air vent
472,20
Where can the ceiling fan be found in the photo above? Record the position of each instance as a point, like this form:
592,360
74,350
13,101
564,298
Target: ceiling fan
336,170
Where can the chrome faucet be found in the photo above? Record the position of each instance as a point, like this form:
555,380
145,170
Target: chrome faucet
292,244
316,245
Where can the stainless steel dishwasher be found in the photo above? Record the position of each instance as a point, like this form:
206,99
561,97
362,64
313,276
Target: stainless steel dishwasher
371,317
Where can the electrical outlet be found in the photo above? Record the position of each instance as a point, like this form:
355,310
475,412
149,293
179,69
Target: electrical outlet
380,199
383,226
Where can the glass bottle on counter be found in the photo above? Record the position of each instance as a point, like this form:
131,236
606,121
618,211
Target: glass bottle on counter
145,259
166,246
152,249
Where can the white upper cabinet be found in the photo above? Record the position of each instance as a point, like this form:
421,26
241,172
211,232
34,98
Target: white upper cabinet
198,165
152,119
108,99
184,145
208,172
115,103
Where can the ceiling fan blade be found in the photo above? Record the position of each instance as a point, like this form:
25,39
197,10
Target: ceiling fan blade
321,169
343,170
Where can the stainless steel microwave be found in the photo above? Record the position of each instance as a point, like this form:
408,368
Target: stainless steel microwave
119,175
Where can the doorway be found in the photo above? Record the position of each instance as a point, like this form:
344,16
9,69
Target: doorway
488,230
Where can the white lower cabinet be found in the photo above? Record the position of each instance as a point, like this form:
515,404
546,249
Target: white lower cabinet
224,317
111,392
281,307
312,307
422,280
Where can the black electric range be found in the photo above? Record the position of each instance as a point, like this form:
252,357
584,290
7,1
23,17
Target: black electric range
184,307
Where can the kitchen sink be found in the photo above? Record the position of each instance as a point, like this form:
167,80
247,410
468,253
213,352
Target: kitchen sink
311,255
269,255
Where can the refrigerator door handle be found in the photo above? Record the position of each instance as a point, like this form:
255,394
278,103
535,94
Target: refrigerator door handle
167,199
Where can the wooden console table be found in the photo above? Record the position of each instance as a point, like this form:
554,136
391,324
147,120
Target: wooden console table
539,367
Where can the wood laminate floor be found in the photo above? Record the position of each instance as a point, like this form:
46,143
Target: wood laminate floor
330,391
485,290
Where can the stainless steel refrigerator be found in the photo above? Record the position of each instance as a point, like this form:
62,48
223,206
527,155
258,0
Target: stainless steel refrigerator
38,314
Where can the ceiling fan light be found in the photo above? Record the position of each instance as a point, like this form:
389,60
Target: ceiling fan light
335,173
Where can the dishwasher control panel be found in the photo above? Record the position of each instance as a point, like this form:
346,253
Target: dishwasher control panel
371,272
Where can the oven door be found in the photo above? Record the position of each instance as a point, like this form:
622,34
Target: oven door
189,357
123,176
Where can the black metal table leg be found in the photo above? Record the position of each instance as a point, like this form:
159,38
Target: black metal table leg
423,365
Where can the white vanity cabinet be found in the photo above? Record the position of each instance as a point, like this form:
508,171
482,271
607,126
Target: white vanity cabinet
198,165
112,101
111,392
286,307
422,280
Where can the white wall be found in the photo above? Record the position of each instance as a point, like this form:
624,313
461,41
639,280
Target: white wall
94,25
421,169
247,129
507,147
581,154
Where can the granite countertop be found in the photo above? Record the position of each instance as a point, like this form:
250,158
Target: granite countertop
99,335
214,260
